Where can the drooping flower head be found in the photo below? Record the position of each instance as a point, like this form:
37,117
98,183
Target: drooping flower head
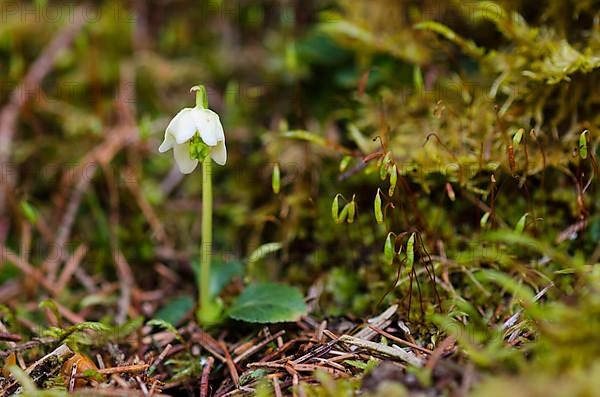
195,133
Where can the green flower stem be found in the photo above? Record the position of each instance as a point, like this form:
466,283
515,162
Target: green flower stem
206,248
201,96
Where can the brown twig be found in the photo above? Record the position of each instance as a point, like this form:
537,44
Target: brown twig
126,282
230,365
6,336
7,255
113,392
276,387
257,347
124,369
316,352
26,346
270,365
400,340
159,359
380,321
439,350
204,379
285,347
53,260
383,349
70,267
209,343
142,384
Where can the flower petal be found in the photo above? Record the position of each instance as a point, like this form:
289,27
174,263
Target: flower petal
167,144
207,123
220,132
182,127
219,153
182,157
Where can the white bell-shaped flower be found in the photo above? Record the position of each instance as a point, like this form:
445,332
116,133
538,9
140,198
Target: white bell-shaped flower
181,136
